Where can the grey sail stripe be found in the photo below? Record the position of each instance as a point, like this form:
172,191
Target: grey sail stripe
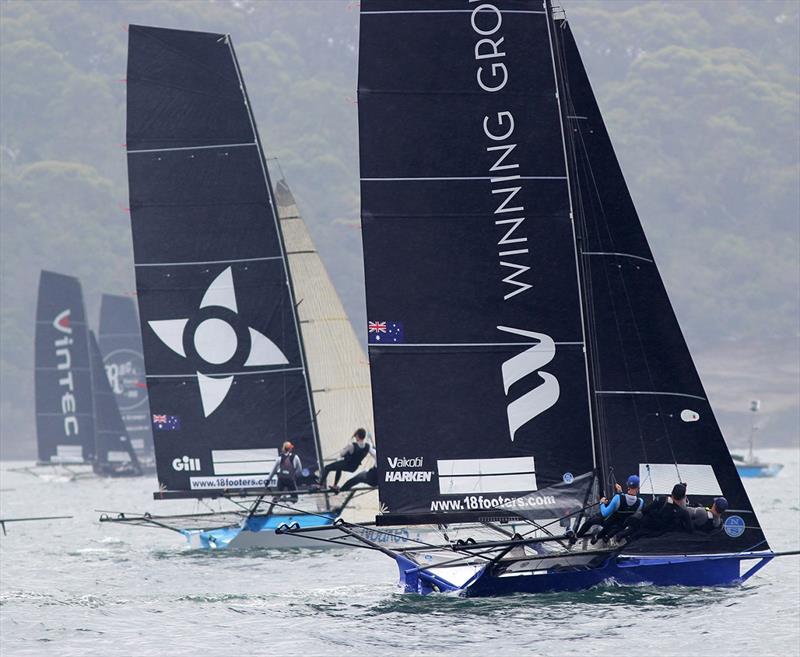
204,262
612,253
429,178
215,374
72,322
464,344
66,369
447,11
190,148
647,392
80,414
580,118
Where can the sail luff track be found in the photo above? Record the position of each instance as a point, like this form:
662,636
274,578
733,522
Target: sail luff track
558,79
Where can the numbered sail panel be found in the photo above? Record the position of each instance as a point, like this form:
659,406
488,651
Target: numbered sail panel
667,439
113,443
433,82
183,90
449,431
120,343
64,406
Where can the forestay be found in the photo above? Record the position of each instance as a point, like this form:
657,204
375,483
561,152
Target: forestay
121,345
476,342
64,406
225,366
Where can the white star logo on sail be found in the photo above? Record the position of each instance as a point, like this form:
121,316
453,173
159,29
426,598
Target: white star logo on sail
215,342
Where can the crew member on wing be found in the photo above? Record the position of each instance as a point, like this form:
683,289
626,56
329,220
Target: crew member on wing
288,468
614,514
708,519
352,456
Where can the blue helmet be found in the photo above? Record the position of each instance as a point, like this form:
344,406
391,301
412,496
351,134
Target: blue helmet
633,481
721,503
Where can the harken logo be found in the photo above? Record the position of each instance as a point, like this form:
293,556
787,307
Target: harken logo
534,402
216,342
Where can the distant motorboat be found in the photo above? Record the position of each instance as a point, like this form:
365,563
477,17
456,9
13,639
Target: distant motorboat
750,465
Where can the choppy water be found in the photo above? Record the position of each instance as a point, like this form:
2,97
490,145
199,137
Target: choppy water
75,587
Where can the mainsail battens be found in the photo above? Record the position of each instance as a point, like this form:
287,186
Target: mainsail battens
648,392
461,243
190,148
620,255
238,373
210,262
207,262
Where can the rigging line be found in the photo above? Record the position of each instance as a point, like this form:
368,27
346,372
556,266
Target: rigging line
599,199
287,272
550,28
189,148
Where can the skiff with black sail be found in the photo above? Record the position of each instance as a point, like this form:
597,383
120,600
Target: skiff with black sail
121,346
65,433
525,353
114,453
246,344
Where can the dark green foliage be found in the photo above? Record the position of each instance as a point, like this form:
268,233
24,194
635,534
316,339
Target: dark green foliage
701,100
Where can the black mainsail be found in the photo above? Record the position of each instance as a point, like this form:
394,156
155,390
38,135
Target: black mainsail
64,406
121,345
476,338
113,446
520,334
226,373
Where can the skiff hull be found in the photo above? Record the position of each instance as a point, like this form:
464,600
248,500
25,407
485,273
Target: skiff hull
662,570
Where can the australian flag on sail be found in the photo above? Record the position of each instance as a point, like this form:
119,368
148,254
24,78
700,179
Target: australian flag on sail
385,332
166,422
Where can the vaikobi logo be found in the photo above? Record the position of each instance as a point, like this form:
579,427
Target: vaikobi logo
186,464
404,462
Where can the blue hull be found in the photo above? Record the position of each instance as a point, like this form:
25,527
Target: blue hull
219,539
658,571
759,470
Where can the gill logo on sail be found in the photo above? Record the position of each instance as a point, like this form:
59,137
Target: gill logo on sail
534,402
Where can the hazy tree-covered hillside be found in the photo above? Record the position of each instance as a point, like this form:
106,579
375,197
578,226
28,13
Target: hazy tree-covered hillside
701,99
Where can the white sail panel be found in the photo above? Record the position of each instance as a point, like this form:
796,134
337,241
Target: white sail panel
337,365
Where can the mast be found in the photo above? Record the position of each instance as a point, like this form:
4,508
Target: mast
561,86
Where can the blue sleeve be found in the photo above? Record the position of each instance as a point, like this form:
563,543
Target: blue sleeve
641,504
611,507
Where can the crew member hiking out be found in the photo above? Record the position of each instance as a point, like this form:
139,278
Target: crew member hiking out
352,456
288,468
614,514
708,519
662,515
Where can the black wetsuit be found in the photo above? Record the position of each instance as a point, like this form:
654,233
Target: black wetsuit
369,477
659,517
287,474
349,463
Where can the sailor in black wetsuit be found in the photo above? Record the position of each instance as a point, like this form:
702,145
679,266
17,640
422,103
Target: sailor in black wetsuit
662,515
708,519
352,456
368,477
288,467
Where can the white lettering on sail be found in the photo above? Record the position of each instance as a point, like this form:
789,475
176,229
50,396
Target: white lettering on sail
64,364
534,402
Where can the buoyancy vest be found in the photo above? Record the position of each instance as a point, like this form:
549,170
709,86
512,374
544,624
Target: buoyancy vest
353,459
286,468
628,504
